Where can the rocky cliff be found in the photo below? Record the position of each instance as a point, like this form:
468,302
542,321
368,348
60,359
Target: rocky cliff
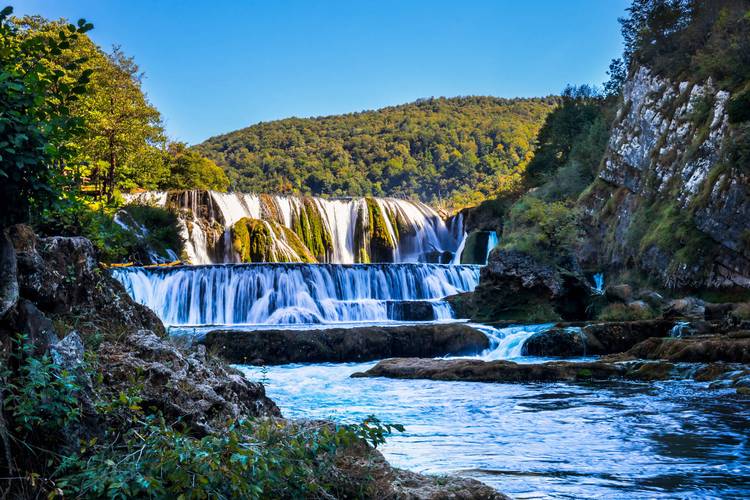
671,199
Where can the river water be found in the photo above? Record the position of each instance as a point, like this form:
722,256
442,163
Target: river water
595,440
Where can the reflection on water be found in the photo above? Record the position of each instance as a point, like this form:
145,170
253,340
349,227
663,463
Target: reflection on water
614,440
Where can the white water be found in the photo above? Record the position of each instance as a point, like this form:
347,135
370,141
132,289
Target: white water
294,293
599,283
422,230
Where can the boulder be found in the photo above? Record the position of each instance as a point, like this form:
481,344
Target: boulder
619,293
594,339
345,344
190,385
688,307
558,342
614,337
474,370
515,286
61,276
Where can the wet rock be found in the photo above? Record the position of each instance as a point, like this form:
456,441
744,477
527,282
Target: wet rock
688,307
475,370
345,344
8,275
561,342
698,349
514,285
614,337
619,293
190,385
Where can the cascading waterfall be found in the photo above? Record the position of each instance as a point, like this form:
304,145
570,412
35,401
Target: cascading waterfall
344,231
296,293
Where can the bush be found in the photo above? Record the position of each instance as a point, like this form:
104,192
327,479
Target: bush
548,231
139,454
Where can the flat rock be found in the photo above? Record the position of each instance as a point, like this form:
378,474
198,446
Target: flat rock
345,344
475,370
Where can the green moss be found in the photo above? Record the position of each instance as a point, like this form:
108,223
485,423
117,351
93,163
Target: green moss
381,242
257,241
309,226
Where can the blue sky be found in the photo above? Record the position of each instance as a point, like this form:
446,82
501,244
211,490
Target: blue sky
212,67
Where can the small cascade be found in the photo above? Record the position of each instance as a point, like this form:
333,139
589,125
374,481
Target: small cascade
297,293
598,283
507,343
680,329
492,241
457,257
343,230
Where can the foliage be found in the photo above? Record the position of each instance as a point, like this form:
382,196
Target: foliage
545,230
574,135
451,152
35,120
135,453
42,397
694,39
120,141
189,170
131,234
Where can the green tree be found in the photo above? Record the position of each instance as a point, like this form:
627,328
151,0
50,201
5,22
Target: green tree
187,169
123,130
36,125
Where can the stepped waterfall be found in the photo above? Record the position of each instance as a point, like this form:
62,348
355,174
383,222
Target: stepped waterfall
217,228
295,260
297,293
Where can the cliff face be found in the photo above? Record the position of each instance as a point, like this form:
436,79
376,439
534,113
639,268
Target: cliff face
667,202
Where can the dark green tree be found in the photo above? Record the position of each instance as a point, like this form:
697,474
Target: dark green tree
36,125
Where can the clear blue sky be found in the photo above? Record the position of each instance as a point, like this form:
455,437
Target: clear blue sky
215,66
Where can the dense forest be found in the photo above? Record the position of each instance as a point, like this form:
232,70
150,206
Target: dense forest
449,152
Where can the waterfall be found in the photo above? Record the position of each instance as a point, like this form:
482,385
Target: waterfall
338,230
599,283
457,257
492,241
297,293
507,343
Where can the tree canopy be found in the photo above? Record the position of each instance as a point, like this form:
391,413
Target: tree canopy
451,152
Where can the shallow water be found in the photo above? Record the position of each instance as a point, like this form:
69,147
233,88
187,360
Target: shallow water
596,440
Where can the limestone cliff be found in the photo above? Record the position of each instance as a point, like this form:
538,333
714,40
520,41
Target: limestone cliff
670,199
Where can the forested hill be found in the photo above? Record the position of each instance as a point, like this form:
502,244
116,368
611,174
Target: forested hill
451,152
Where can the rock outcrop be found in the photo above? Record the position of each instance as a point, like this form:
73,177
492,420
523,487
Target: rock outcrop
345,344
515,286
189,385
665,203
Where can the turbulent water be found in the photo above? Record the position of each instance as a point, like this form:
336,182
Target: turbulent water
295,293
417,231
563,440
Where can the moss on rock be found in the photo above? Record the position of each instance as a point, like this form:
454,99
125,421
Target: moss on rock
255,240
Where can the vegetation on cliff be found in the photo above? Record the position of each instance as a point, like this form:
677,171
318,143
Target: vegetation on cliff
452,152
256,240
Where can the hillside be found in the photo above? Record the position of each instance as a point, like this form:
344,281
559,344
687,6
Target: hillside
451,152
